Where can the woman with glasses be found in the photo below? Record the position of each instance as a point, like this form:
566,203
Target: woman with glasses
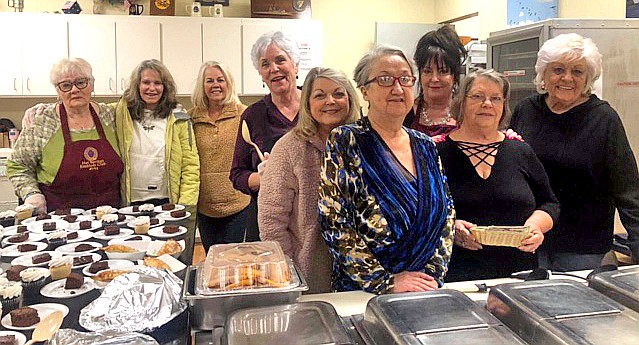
494,181
69,157
384,209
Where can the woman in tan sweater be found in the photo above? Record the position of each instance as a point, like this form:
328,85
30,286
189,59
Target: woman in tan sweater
288,194
216,118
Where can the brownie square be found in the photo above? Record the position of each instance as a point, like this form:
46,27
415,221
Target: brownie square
62,211
21,228
43,217
72,235
82,260
13,273
134,238
8,339
74,281
154,221
98,266
121,218
83,247
178,214
168,206
111,230
27,247
24,317
49,226
19,238
70,218
40,258
85,224
171,229
136,208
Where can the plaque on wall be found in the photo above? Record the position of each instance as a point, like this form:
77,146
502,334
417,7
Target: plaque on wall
162,7
281,9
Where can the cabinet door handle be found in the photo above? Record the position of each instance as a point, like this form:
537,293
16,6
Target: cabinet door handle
15,87
28,88
111,84
122,84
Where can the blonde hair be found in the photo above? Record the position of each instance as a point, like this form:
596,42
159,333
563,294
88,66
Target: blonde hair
198,97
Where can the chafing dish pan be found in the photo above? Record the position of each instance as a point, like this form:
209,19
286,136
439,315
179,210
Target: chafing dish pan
436,317
211,311
622,286
306,323
562,312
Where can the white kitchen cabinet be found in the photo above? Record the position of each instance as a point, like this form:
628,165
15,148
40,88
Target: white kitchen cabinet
182,50
37,41
222,42
137,39
93,39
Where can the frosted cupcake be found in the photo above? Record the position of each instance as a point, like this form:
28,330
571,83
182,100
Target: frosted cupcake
141,225
60,268
10,297
8,218
110,219
24,211
147,209
102,210
33,279
57,239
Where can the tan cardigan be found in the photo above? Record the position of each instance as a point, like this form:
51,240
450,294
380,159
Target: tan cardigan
216,142
287,205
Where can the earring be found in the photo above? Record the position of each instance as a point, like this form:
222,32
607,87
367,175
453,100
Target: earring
542,85
263,85
297,76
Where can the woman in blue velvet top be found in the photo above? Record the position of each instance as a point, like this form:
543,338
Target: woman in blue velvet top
384,206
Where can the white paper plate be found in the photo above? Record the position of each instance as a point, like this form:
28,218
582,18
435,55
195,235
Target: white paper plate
91,212
159,232
32,238
83,235
159,209
33,219
124,232
74,211
155,246
129,211
175,265
123,240
113,265
44,309
60,224
56,289
11,230
70,248
25,260
167,216
127,219
12,250
95,224
161,222
20,338
95,256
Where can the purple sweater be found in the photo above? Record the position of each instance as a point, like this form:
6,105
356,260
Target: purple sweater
266,125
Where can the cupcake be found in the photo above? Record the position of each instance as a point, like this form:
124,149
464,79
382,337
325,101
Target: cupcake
24,211
141,225
8,218
147,209
102,210
33,279
110,219
10,297
60,268
57,239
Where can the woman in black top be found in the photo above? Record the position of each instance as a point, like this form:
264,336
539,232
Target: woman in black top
493,181
581,142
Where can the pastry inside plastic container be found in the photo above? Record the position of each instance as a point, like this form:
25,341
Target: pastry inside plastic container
506,236
254,265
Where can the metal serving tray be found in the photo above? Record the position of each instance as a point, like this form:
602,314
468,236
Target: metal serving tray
209,312
562,312
436,317
306,323
622,286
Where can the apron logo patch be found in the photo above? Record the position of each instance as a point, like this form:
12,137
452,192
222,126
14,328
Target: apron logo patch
91,162
91,154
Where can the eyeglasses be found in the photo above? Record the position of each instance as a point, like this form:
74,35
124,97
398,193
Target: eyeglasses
66,86
389,80
478,98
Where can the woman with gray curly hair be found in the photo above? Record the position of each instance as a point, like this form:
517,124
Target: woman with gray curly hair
276,58
581,142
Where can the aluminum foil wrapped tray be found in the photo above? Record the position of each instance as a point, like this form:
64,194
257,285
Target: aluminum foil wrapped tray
139,301
73,337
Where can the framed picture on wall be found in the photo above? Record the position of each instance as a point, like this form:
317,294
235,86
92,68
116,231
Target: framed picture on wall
632,8
214,2
521,12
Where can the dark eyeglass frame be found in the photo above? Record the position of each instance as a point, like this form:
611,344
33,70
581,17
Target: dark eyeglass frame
66,86
409,80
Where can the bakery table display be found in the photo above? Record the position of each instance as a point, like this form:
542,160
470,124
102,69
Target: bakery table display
71,252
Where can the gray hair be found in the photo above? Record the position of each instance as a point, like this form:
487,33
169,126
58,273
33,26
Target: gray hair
460,99
285,42
362,71
71,66
570,47
306,126
199,99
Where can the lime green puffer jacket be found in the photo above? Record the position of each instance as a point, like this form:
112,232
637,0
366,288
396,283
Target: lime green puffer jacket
183,163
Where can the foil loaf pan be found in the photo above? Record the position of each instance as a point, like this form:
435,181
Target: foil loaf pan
73,337
140,301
